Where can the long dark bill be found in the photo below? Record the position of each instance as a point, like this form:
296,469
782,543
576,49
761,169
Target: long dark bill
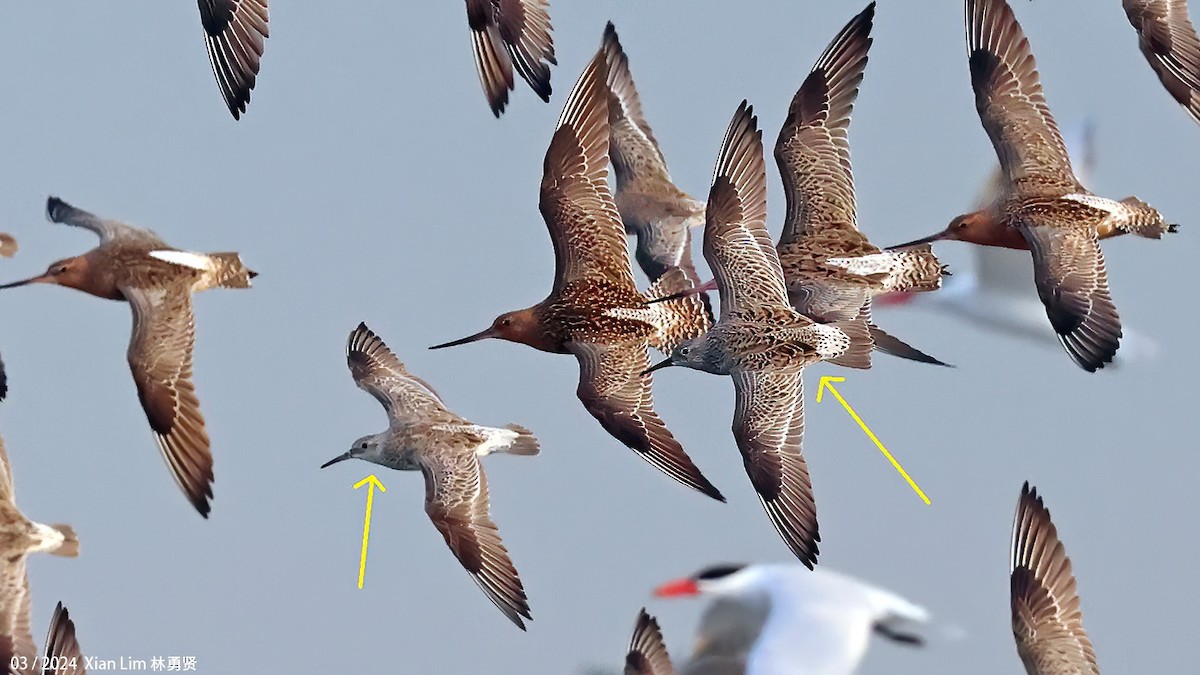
340,458
481,335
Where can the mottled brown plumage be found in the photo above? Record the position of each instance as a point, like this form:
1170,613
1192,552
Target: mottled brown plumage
19,537
508,35
1046,621
594,310
157,281
8,245
1168,39
652,207
1043,207
762,341
235,32
423,435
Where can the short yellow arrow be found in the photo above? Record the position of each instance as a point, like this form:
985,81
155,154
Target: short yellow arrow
827,382
371,482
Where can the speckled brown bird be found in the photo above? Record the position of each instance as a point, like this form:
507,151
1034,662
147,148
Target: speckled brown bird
19,537
1168,39
157,281
424,436
1046,621
235,32
509,35
761,341
594,310
652,207
1043,209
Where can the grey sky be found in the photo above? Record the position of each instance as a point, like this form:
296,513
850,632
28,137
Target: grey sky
368,181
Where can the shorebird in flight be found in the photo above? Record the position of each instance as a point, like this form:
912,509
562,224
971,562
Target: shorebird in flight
594,310
158,282
1043,208
424,436
509,35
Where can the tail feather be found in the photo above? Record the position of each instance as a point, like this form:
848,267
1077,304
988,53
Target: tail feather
230,272
916,269
525,444
682,318
889,344
69,548
1145,220
858,354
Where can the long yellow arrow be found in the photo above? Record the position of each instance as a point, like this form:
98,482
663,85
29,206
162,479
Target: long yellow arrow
827,382
371,482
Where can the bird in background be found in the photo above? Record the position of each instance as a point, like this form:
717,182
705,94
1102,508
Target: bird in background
1043,209
20,536
830,269
761,341
8,245
422,435
1046,620
594,310
136,266
818,622
235,32
652,207
509,35
1169,42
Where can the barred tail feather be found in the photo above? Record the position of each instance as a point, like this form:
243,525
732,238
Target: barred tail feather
525,444
681,318
915,269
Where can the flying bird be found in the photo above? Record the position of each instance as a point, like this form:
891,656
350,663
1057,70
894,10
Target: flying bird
235,32
509,35
19,537
422,435
8,245
158,282
652,207
1168,39
817,621
647,654
1046,621
1043,209
761,341
594,310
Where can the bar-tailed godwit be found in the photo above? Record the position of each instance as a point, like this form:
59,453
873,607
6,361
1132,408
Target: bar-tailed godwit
157,281
594,310
508,35
1043,209
1046,620
424,436
761,341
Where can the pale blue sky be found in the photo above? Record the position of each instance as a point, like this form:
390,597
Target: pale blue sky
369,181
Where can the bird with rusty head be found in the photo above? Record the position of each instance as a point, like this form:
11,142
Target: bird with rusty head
594,310
423,435
136,266
1043,208
761,341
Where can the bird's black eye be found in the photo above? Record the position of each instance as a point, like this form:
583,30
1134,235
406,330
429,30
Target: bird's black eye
683,351
364,445
505,322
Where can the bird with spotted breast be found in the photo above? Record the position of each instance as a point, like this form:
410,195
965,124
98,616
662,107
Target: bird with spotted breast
1043,208
761,341
20,536
508,35
1046,621
138,267
594,310
422,435
652,207
1171,46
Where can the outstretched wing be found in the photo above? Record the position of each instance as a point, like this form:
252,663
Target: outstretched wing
63,655
508,34
160,357
235,32
58,211
377,371
647,654
1168,40
456,500
1011,105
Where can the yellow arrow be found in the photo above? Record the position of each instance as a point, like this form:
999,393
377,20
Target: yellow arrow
371,482
827,381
